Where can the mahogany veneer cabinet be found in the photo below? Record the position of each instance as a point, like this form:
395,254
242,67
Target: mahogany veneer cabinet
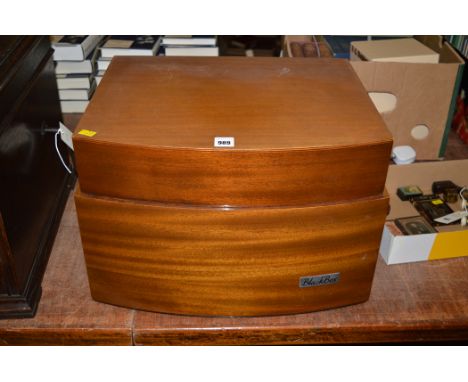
288,220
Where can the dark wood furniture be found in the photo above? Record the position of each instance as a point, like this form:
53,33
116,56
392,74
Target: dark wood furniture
33,184
286,221
416,302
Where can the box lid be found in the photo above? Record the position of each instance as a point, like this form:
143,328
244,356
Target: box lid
264,103
395,50
156,118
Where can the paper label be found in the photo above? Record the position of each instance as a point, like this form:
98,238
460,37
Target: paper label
87,133
450,218
66,135
224,142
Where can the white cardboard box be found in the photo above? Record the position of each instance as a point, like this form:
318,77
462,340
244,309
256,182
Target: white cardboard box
452,241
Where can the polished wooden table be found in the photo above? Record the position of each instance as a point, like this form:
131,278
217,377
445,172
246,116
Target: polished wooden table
416,302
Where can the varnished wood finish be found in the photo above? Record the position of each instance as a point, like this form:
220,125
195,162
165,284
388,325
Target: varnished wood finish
288,330
237,262
225,177
67,315
33,184
414,302
59,336
171,224
305,130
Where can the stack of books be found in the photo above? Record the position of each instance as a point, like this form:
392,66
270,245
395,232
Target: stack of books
125,46
189,46
74,58
340,45
460,43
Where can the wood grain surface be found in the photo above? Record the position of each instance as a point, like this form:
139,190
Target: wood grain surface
305,132
414,303
236,262
418,302
264,102
227,178
67,315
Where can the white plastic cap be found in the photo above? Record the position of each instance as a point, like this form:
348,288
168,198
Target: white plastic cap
403,155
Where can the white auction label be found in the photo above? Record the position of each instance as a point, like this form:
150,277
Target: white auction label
224,142
450,218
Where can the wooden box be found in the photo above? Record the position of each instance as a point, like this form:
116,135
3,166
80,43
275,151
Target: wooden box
285,220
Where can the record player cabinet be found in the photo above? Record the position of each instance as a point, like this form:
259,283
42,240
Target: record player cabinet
285,219
33,184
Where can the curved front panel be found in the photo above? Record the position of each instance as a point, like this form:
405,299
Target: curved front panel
239,262
253,178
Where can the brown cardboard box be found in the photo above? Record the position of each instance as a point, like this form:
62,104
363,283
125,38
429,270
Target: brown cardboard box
450,241
424,96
